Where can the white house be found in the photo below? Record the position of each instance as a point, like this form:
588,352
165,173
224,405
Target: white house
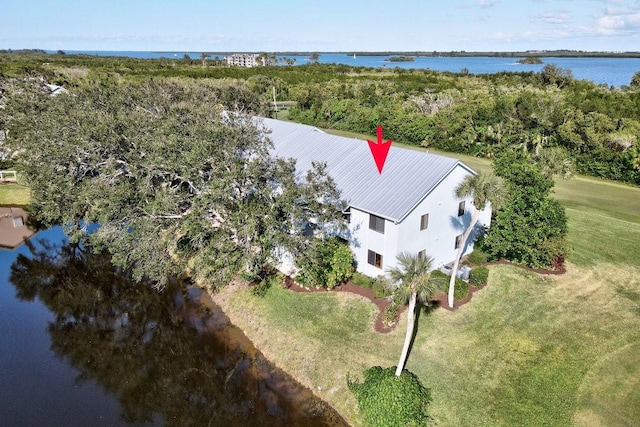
410,207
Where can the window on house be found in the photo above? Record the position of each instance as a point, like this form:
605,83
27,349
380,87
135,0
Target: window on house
424,222
422,254
461,208
458,241
374,259
347,215
376,223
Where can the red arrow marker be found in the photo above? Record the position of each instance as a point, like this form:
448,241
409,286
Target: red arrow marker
380,150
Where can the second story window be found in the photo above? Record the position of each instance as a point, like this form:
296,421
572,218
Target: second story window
376,223
346,215
424,222
461,208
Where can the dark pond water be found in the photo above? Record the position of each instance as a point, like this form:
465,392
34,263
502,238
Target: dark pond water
81,345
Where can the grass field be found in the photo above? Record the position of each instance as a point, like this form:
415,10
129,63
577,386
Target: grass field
14,194
527,350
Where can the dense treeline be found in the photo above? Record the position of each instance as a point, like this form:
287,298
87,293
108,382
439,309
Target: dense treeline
596,126
483,115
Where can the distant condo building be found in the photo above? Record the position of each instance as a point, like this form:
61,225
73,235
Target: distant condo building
247,60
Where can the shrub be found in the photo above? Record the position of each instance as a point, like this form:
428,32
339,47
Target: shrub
461,289
250,277
477,257
263,287
382,287
478,276
379,290
531,228
341,265
388,401
361,280
327,263
390,315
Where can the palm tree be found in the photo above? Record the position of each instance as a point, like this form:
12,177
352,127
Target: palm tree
554,161
482,188
204,56
412,274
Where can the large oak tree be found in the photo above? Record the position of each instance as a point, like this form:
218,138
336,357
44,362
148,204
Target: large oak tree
173,181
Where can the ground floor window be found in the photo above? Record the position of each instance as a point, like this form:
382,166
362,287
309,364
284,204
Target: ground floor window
374,259
458,241
422,254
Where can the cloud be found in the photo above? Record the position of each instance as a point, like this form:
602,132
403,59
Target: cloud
618,21
483,4
555,17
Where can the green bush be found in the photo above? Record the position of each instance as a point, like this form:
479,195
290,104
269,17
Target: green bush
263,287
531,227
361,280
327,263
382,287
389,401
477,257
341,265
250,277
379,290
478,276
461,289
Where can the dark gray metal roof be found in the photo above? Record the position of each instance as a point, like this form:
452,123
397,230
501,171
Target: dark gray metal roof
407,178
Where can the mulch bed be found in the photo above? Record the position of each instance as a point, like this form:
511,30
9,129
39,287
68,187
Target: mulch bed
439,300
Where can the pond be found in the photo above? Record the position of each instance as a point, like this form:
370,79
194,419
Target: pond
84,345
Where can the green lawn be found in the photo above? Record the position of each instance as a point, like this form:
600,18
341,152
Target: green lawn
14,194
527,350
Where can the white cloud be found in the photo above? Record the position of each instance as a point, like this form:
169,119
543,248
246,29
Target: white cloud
619,21
482,4
486,3
555,16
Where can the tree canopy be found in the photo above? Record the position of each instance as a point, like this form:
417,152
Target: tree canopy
531,227
597,126
173,182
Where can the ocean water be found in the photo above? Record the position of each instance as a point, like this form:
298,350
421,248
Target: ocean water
609,71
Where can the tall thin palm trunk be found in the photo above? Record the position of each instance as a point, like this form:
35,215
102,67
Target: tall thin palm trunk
407,339
465,237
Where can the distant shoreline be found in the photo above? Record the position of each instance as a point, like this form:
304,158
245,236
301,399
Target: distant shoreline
497,54
514,54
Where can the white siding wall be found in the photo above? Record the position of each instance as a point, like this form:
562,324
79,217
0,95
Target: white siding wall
363,239
438,240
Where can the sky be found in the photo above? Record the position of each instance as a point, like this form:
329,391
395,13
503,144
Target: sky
321,25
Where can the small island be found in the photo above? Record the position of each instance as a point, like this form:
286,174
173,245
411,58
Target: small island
400,59
529,60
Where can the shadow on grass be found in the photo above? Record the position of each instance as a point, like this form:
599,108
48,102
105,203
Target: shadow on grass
420,308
